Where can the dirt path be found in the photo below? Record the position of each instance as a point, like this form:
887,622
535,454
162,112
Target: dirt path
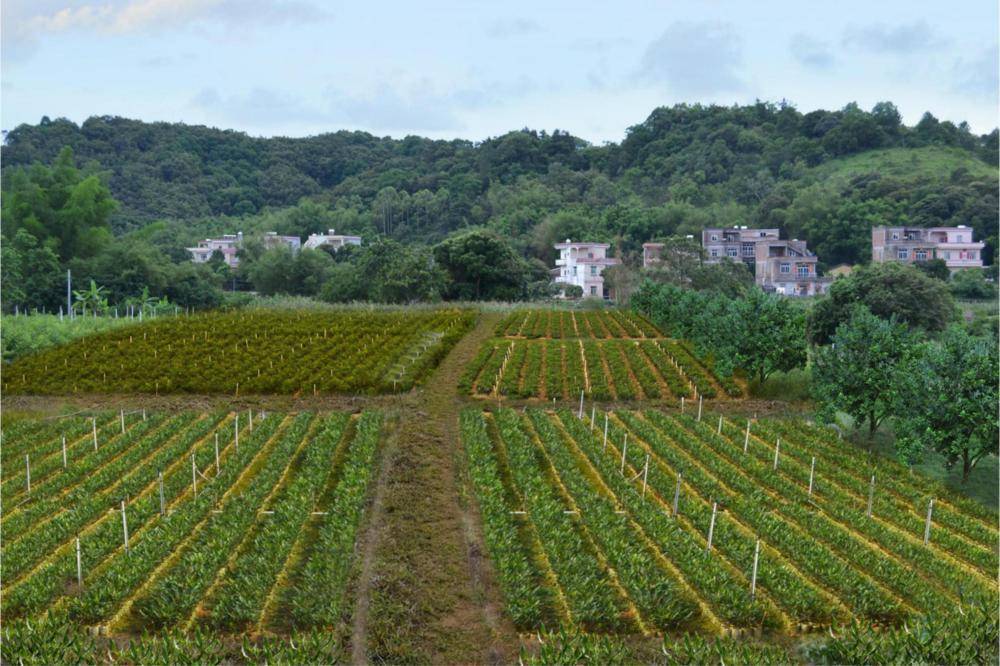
426,591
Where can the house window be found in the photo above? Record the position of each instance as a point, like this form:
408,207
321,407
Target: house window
590,255
973,255
785,268
714,252
732,252
574,271
593,290
902,253
802,271
946,254
593,270
715,237
895,235
920,255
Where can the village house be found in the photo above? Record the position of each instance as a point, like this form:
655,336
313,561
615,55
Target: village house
227,246
272,240
787,267
330,239
953,245
736,243
582,264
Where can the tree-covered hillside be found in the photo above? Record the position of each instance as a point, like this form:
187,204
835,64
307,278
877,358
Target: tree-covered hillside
682,168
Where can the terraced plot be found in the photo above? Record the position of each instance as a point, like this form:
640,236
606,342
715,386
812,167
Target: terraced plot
232,524
657,526
607,354
249,352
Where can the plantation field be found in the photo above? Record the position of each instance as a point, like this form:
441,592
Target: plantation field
233,525
584,534
634,363
249,352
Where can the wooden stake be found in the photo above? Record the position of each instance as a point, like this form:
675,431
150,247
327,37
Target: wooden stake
753,576
79,564
624,447
677,493
927,523
579,414
95,432
163,501
719,431
593,413
194,477
871,496
700,399
605,432
711,527
237,431
746,437
250,419
645,474
777,447
682,404
143,413
216,454
27,471
121,413
64,451
812,470
125,527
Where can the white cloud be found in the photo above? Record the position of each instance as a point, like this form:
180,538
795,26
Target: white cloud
514,27
811,52
901,39
695,58
980,76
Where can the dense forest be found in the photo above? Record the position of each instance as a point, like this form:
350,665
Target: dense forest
823,176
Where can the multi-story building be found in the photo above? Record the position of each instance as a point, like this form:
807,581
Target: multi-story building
272,240
331,239
787,267
228,245
651,253
954,245
582,264
736,243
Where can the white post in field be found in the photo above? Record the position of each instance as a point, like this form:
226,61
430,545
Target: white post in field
645,473
711,527
121,413
163,502
871,496
682,404
719,431
125,527
79,564
746,437
64,451
605,432
812,471
677,494
250,419
700,399
777,447
579,414
593,413
95,432
624,447
27,471
753,576
927,523
237,431
194,477
217,454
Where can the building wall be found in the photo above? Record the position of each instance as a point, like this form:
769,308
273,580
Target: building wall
583,264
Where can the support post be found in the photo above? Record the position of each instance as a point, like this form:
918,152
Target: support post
812,471
121,414
719,430
677,494
624,447
682,404
64,451
69,293
711,527
645,474
250,419
777,448
79,564
927,523
605,432
579,414
194,477
753,576
746,437
701,398
216,454
27,471
125,527
871,496
163,501
95,432
593,413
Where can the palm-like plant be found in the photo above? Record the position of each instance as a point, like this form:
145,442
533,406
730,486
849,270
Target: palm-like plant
92,297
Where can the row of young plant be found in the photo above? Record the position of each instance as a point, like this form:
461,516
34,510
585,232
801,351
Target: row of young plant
838,502
576,324
238,603
789,590
54,519
762,514
273,351
104,540
173,595
331,558
660,587
603,369
727,382
883,554
43,446
112,585
907,491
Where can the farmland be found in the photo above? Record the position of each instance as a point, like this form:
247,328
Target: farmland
607,354
585,535
233,521
249,352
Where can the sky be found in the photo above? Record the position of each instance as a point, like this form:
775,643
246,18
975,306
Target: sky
476,69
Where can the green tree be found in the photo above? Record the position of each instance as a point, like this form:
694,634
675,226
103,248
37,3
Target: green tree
948,399
971,283
767,335
935,268
481,266
858,373
887,290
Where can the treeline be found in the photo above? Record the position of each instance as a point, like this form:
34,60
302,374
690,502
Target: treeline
684,168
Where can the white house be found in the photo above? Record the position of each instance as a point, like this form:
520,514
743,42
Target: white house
582,264
272,240
227,246
331,239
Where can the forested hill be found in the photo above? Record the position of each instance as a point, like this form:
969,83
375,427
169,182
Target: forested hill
825,176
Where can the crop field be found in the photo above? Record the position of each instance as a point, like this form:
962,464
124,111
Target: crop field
217,522
607,354
250,352
670,524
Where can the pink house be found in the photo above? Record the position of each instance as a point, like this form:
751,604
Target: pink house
228,245
953,245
